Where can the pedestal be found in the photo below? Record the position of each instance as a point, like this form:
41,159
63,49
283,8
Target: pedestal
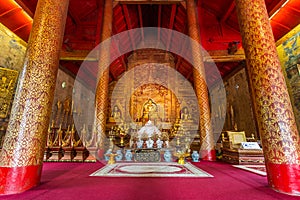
81,155
56,154
69,154
147,155
47,153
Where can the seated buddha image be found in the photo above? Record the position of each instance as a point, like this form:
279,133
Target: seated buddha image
185,116
116,115
150,111
4,86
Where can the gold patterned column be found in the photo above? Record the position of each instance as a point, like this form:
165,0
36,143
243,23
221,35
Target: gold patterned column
103,79
207,149
276,122
23,150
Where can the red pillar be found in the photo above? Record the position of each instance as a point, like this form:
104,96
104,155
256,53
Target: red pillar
103,79
23,150
207,146
276,122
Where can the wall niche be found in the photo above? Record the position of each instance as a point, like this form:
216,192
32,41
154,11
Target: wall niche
239,109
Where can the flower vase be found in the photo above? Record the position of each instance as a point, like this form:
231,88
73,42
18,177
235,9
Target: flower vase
195,156
168,156
119,155
128,155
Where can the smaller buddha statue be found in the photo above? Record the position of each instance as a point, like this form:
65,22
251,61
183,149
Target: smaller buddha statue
185,115
116,115
4,86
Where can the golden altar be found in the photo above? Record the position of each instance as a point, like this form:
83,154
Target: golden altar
232,151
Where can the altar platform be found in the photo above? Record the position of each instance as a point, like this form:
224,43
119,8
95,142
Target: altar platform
243,156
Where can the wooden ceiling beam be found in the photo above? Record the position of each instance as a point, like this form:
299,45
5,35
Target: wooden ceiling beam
228,12
189,75
141,20
183,3
88,12
128,22
209,10
74,16
112,76
99,23
181,51
171,24
122,59
292,8
79,55
281,25
178,62
159,22
276,7
25,8
223,56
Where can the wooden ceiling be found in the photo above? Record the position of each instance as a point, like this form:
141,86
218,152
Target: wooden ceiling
218,28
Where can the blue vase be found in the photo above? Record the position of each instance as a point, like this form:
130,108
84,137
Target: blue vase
168,156
119,155
195,156
128,155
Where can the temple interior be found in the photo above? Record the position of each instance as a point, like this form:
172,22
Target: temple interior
151,81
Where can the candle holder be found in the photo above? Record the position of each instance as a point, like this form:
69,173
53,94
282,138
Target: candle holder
112,159
181,157
122,135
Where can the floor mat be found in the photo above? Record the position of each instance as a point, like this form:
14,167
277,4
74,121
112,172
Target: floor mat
257,169
160,169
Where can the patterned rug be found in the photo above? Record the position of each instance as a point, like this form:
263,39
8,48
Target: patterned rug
257,169
159,169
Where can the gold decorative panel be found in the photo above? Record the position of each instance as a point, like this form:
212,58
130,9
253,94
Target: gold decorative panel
166,102
8,80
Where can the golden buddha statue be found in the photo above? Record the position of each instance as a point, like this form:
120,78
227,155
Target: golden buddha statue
150,111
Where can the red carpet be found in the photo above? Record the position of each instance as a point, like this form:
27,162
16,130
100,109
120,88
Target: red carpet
64,181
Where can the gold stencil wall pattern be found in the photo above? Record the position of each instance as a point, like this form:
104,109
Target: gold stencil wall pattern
8,80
